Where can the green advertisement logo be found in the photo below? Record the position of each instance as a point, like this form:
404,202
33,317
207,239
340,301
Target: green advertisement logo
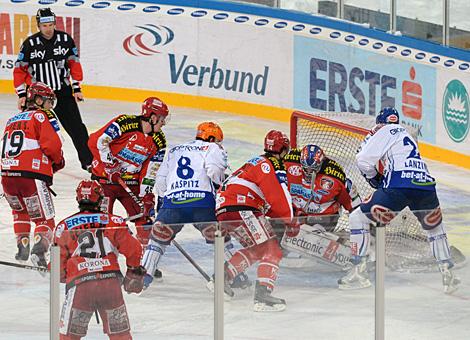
456,110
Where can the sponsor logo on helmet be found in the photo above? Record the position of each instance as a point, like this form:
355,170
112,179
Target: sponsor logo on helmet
148,40
456,110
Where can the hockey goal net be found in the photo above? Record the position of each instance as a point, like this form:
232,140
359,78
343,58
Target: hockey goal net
340,135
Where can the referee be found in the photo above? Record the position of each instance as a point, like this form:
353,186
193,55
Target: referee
51,57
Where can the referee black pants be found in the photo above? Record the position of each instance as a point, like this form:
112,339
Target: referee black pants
69,117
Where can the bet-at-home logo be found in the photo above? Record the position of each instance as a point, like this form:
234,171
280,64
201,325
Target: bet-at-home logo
456,110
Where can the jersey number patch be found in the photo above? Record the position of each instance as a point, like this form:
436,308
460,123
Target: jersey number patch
13,144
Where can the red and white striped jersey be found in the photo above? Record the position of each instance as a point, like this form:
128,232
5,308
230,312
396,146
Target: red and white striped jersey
260,184
90,243
30,146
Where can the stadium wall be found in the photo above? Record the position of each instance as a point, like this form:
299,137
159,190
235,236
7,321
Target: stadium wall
257,61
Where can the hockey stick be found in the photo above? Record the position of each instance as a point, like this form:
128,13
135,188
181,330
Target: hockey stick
177,245
133,196
190,259
133,217
25,266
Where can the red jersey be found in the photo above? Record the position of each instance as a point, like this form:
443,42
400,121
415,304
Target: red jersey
259,184
90,243
329,191
122,140
30,146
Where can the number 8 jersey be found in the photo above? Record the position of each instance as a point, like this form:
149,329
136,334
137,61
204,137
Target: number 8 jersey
30,145
188,173
394,148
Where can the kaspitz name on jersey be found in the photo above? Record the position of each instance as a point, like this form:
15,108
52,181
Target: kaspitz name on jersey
185,184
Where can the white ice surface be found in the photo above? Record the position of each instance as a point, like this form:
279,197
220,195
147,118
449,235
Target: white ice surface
181,307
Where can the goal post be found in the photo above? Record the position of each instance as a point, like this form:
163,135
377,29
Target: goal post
340,135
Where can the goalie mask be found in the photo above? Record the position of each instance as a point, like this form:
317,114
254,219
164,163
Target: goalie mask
388,115
311,159
39,90
209,132
276,142
89,193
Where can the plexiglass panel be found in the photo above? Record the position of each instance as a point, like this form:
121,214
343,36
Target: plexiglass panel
420,19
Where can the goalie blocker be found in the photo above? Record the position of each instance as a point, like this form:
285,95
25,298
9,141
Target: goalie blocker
315,242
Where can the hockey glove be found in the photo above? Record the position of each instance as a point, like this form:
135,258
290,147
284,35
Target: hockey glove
292,228
375,181
113,171
134,279
149,205
58,166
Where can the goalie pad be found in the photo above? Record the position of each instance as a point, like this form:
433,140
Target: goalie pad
315,242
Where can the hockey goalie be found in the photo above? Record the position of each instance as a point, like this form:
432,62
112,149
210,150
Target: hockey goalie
320,190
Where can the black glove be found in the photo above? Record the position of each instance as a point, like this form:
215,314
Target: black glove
58,166
375,181
134,279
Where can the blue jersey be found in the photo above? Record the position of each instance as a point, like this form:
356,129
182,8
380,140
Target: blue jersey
397,151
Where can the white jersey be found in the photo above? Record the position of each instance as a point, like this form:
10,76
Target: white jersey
188,173
398,152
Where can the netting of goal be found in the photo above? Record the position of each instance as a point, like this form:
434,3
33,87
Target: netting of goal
340,136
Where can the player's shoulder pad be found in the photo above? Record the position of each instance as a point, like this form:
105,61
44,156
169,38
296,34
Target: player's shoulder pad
293,156
40,116
277,164
128,123
159,139
333,169
60,228
49,113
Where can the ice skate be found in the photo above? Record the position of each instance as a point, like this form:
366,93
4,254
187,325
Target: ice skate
23,248
449,280
356,278
241,281
228,292
265,302
38,253
158,275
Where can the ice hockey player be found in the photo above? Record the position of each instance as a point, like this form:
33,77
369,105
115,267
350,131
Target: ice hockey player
131,148
90,242
405,182
31,154
186,180
256,190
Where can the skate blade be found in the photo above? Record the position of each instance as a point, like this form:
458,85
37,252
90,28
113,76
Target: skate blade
356,285
262,307
452,288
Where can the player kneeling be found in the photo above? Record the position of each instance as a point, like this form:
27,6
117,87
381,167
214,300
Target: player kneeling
90,242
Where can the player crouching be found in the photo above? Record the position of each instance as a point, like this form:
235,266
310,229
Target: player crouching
90,242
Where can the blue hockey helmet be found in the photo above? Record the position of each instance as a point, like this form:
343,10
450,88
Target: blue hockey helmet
311,158
388,115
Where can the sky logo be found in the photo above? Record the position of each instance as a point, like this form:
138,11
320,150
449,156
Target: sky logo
146,43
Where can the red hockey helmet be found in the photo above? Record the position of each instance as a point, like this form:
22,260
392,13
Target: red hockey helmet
154,106
41,90
89,193
206,130
276,142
